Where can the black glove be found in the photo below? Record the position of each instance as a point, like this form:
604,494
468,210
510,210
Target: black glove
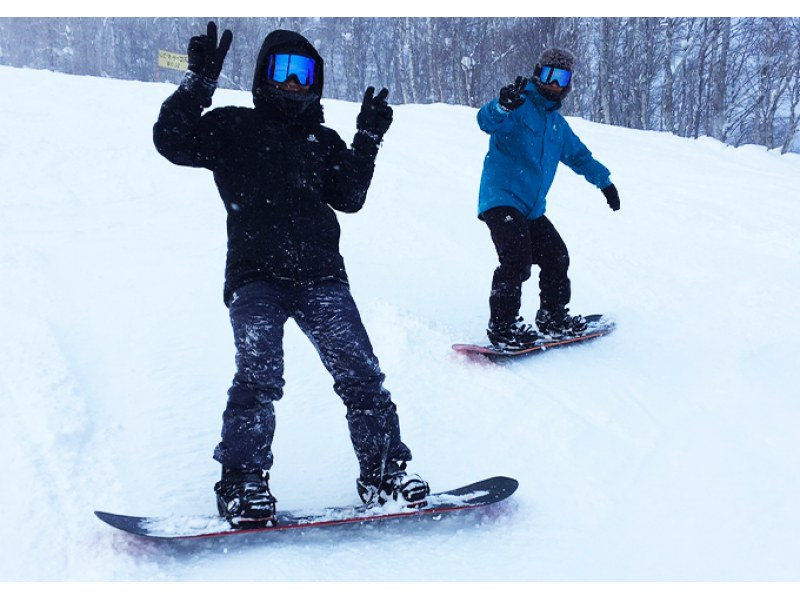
205,56
376,114
612,197
510,98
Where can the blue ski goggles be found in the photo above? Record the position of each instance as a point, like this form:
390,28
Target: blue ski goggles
550,74
283,66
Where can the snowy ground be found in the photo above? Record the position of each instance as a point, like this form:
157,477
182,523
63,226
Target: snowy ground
664,452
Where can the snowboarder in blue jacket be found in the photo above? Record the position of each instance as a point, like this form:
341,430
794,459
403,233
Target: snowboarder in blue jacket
529,137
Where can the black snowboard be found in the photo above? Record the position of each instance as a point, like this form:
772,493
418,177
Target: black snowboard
598,326
479,494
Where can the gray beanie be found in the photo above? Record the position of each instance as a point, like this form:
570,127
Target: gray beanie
558,58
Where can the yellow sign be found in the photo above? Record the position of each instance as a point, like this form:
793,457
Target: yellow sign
170,60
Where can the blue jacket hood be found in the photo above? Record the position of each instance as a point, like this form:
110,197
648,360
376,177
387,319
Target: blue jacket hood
532,94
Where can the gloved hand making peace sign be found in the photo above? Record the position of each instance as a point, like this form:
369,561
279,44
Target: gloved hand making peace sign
205,56
510,95
376,114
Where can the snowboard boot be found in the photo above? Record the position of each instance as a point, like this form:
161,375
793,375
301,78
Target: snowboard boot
395,486
558,322
516,335
244,499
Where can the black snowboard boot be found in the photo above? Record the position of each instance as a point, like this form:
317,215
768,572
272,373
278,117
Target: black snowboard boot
558,322
394,486
244,499
514,335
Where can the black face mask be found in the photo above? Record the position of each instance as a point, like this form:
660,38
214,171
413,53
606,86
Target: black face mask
552,95
288,104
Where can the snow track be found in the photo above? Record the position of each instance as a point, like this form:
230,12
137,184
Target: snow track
58,465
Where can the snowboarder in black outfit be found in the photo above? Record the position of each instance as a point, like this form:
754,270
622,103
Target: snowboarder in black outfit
529,137
281,174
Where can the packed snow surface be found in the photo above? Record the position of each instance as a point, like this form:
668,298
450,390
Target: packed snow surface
667,450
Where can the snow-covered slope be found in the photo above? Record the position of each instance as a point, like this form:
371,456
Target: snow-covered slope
666,451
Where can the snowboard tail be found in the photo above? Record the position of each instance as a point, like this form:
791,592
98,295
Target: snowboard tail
479,494
598,325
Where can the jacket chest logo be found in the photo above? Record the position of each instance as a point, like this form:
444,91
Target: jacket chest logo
313,138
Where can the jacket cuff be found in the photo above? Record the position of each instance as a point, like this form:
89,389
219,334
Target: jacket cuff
366,144
200,87
498,108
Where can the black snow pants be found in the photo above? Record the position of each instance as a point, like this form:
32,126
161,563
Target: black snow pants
326,313
521,243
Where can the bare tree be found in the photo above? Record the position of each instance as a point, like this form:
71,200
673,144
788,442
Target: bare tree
736,79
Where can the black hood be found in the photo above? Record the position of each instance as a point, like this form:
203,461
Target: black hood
268,96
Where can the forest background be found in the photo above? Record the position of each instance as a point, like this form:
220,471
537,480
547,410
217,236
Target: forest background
734,79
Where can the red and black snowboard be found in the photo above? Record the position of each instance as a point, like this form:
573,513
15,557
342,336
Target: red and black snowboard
598,326
479,494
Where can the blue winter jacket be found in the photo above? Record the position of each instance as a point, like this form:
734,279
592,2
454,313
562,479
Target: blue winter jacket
525,148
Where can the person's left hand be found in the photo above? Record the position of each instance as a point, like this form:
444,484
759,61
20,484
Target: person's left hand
612,197
376,113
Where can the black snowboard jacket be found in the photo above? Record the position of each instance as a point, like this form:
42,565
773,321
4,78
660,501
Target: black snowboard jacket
280,173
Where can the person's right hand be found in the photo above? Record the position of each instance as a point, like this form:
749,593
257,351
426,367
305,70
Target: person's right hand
205,56
510,95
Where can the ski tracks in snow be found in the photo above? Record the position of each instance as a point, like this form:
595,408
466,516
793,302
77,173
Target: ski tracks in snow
46,421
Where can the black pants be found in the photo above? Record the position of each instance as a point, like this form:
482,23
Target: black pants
520,243
326,313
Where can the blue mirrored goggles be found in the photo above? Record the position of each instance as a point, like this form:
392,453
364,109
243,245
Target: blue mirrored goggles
550,74
283,66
